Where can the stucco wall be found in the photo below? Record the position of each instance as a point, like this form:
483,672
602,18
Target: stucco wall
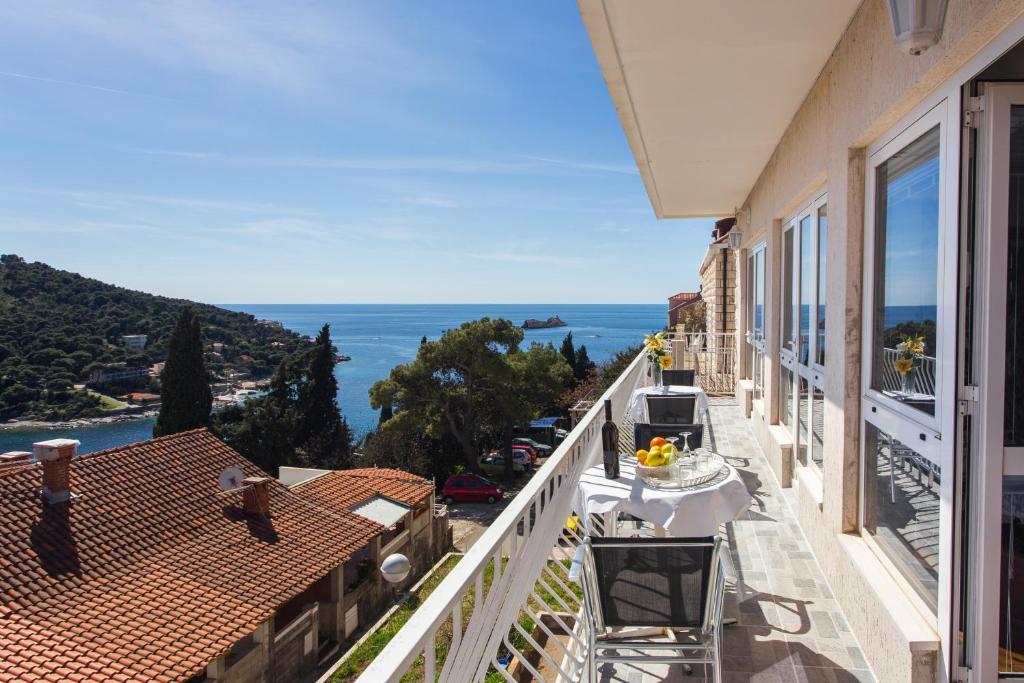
866,87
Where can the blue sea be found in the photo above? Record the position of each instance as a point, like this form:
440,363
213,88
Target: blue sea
378,337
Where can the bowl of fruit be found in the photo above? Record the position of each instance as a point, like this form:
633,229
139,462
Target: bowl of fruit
655,464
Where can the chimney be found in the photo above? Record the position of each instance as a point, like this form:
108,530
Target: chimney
256,495
15,457
56,455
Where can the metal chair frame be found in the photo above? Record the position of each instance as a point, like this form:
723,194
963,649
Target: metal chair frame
704,649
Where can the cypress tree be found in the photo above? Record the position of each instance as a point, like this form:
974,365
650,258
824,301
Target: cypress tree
583,364
185,397
324,437
568,352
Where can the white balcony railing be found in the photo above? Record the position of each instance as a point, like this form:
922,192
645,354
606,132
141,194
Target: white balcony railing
511,592
922,379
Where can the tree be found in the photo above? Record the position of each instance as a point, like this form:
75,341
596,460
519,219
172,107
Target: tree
382,398
185,397
584,366
568,351
467,386
323,436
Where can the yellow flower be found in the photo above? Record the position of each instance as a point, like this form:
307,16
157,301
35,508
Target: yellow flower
904,365
655,344
916,346
665,362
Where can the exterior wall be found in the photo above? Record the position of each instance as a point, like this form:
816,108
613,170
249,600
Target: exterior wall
718,289
864,89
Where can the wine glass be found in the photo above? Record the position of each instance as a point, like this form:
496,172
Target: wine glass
686,442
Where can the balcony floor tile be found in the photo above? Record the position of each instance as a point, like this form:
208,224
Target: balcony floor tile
789,629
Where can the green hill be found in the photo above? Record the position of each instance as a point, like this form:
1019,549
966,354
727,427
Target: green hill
58,329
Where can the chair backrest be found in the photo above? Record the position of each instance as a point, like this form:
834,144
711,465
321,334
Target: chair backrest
657,582
667,410
643,433
685,378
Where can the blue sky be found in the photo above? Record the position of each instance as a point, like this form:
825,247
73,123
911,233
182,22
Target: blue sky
326,153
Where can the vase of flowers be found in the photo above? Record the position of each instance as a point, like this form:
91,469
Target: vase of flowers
655,344
909,353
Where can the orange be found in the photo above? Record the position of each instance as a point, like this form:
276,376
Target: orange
658,441
641,455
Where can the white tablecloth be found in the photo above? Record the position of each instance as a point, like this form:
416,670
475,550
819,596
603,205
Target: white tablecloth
698,511
638,401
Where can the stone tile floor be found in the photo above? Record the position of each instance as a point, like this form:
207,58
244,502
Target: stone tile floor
789,627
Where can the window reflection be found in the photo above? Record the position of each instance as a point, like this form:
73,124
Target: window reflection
806,289
901,508
820,320
1011,584
788,338
785,395
802,400
817,425
906,274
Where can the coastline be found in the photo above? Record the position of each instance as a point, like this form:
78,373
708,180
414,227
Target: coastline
77,422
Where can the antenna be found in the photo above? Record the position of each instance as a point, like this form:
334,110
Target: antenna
231,478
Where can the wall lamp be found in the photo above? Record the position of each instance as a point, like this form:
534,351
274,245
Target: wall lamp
917,24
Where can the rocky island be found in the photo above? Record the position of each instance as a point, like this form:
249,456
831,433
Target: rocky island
534,324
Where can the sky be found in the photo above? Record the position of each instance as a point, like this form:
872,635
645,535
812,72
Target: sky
300,152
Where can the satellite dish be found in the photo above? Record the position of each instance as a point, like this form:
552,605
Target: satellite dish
231,478
395,568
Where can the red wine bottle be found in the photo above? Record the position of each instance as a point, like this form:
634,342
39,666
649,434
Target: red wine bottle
610,443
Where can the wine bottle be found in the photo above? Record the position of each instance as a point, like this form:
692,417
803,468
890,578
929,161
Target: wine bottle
610,443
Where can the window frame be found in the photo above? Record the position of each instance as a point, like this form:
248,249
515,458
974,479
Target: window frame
812,372
755,343
916,429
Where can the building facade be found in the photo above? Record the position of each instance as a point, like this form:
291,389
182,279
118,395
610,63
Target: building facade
877,291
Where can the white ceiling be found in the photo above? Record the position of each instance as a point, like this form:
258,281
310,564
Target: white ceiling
705,89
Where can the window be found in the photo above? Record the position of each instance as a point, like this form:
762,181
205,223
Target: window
909,286
820,276
802,352
756,317
905,279
901,508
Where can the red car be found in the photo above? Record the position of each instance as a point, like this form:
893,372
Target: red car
471,488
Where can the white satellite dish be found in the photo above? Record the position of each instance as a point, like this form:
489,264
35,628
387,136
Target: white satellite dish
231,478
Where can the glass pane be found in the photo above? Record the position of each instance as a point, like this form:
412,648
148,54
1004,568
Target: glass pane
788,341
1013,413
906,274
759,295
758,373
1011,584
806,289
817,425
822,241
901,508
802,399
785,395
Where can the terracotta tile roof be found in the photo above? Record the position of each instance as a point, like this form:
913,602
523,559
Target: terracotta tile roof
342,489
152,571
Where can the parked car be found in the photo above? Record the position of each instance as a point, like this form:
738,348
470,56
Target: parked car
519,457
471,488
543,450
495,465
530,453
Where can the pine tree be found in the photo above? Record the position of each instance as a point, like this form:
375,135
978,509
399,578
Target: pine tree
584,366
568,352
323,435
185,397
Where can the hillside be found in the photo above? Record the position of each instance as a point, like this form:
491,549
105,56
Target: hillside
58,329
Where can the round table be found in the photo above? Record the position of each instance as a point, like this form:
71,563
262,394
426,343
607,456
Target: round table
695,511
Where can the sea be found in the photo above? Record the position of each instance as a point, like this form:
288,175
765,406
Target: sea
378,337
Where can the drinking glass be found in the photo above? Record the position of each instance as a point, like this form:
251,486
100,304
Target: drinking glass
686,442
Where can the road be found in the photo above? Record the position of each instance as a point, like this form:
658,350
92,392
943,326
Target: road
469,520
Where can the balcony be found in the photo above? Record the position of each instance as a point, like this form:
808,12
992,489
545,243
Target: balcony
507,611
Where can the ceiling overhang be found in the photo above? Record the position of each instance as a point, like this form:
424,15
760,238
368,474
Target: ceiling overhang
705,90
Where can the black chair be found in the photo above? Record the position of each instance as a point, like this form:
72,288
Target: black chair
686,378
643,433
634,583
670,410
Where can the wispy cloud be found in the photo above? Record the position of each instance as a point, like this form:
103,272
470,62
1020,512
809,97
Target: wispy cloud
430,200
523,257
76,84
